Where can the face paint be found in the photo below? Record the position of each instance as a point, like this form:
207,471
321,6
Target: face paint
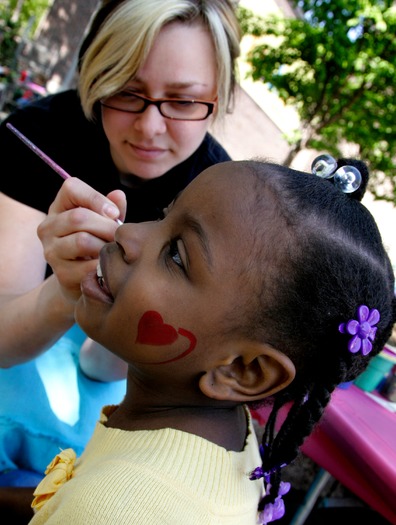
153,331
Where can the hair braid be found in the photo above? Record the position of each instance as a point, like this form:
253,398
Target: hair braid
322,261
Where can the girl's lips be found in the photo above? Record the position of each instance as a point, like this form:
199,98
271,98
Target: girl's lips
94,287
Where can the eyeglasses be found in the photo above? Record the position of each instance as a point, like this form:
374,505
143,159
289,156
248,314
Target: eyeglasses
173,108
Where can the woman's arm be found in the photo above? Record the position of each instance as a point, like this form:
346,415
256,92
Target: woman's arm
62,234
35,312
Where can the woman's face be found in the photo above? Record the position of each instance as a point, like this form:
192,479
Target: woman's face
181,64
169,288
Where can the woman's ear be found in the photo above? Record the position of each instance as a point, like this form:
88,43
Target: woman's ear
252,372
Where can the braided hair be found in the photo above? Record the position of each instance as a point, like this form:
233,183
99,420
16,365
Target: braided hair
324,258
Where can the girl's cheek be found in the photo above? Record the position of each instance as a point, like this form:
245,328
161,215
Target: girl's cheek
169,344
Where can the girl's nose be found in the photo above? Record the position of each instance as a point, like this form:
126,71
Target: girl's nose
133,238
150,122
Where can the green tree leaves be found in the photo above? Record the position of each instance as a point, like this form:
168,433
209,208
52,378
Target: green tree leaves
337,66
17,16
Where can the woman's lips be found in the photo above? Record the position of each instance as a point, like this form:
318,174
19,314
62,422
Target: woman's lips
146,152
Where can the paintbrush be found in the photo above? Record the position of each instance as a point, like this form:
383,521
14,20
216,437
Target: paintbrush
60,171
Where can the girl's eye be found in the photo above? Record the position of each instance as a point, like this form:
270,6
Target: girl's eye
175,255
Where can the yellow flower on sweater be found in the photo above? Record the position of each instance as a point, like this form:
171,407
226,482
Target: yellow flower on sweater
58,472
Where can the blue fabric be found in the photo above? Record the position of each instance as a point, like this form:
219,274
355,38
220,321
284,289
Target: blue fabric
20,478
48,404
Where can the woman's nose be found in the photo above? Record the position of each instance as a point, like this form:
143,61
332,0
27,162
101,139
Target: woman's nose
150,122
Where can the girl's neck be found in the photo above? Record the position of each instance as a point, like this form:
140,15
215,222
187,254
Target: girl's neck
224,426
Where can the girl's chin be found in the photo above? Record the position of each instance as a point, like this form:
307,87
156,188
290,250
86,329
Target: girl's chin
88,315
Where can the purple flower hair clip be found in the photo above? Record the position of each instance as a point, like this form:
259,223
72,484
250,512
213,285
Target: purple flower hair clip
276,510
363,330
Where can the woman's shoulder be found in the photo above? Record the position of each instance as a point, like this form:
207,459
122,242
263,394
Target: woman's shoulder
52,119
51,109
60,101
210,152
213,150
56,124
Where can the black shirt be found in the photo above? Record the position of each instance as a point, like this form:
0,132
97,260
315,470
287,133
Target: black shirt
57,125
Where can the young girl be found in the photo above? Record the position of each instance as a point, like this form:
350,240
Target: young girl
153,76
259,282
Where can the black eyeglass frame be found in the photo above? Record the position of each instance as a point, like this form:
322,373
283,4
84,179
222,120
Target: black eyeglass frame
148,101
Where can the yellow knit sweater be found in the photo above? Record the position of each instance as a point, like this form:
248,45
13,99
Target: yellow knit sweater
164,477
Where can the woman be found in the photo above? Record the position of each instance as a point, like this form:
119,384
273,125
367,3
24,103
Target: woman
153,74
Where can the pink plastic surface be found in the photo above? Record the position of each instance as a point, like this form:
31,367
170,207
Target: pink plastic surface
356,442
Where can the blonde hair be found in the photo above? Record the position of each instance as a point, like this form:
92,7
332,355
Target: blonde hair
123,33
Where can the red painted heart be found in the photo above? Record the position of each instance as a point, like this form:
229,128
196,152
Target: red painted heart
153,331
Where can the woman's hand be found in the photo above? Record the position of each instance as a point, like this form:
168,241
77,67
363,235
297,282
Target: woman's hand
79,222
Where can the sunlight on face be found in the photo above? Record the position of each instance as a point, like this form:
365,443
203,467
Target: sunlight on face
147,144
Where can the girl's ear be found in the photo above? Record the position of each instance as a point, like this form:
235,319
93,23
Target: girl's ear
254,372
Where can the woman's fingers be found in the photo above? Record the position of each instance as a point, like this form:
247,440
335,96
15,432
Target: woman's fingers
74,221
75,193
79,222
119,199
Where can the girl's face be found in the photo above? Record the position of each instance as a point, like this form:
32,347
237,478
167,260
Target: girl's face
181,64
166,290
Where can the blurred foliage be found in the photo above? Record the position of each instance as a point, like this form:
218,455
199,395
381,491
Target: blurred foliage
336,65
18,18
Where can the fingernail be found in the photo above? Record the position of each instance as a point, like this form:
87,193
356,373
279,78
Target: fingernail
110,211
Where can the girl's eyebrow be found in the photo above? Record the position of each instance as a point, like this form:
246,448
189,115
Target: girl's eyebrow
192,224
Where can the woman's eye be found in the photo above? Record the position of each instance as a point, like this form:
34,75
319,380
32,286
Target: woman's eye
174,254
126,94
